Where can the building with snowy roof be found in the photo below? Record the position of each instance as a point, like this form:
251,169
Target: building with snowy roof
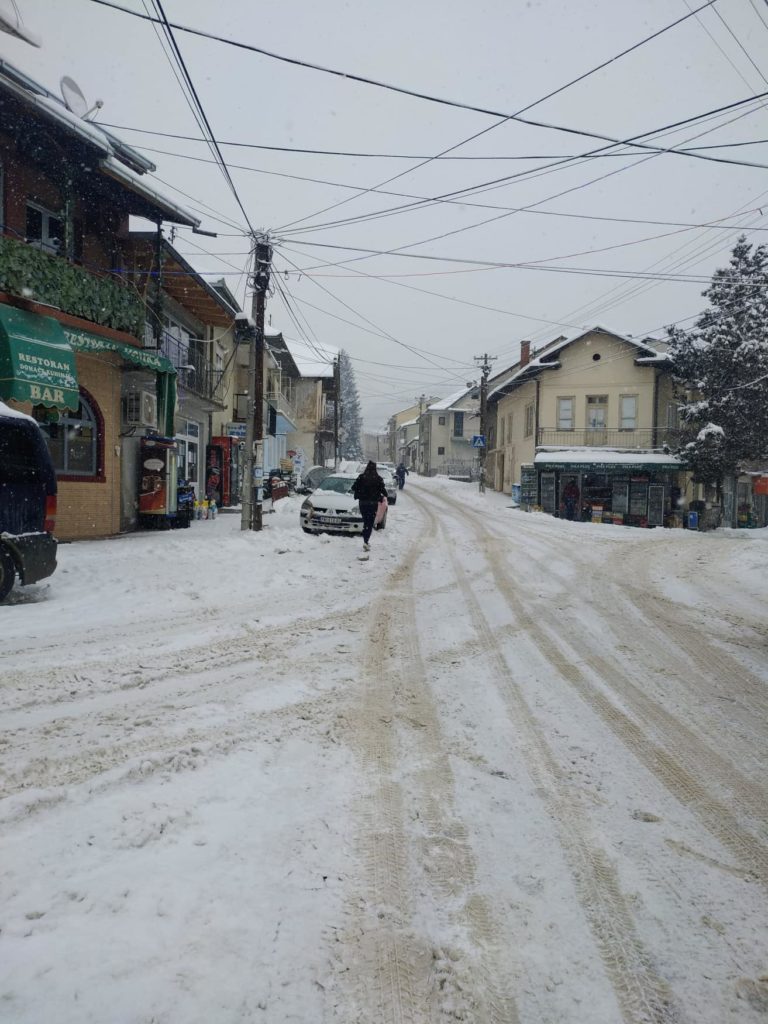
585,426
445,431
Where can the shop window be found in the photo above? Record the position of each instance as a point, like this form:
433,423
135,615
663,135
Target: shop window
597,411
529,414
44,228
458,424
441,451
74,438
441,421
628,412
565,413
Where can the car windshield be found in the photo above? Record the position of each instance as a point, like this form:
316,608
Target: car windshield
339,484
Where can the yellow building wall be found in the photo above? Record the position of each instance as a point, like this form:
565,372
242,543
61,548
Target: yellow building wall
92,508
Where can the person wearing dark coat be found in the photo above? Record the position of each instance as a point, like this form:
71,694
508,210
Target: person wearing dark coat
401,472
369,489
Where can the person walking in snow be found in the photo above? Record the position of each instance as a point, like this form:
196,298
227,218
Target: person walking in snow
401,472
369,490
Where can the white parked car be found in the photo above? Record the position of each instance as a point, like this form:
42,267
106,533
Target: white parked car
332,508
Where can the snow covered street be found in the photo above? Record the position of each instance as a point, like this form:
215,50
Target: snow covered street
510,770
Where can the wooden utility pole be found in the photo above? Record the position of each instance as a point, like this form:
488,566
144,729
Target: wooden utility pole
484,362
253,489
336,410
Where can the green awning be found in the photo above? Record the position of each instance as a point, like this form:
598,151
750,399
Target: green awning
37,363
86,341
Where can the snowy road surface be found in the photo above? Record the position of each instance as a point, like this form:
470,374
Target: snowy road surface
509,771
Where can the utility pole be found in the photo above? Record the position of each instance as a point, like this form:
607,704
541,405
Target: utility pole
484,361
336,410
254,435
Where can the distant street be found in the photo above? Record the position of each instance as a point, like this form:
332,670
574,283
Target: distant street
510,770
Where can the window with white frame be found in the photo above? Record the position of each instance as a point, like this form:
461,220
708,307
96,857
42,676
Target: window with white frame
529,419
565,407
597,412
441,421
44,228
628,412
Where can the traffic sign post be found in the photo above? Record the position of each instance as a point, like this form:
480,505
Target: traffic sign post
478,440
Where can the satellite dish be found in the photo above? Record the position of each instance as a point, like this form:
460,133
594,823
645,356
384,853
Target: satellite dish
73,96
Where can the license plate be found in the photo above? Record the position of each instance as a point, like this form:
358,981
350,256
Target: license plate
330,520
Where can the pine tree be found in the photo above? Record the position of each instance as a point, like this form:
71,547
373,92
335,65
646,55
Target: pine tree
350,440
721,369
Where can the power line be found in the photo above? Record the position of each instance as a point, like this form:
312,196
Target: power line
205,122
505,119
427,199
349,76
389,156
690,279
537,172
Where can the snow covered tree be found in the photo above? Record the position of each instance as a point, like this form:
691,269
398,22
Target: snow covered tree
351,430
721,369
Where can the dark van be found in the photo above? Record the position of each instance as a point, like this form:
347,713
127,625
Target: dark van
27,502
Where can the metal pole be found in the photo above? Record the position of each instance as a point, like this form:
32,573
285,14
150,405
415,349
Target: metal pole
485,365
336,410
254,436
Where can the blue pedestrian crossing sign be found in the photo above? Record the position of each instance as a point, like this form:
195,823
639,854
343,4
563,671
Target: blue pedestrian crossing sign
478,440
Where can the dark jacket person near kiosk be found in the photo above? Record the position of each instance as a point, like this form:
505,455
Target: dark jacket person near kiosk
369,489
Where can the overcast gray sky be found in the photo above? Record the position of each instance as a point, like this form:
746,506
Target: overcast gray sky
497,54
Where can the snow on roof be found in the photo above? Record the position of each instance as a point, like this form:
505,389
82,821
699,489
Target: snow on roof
310,363
604,455
410,423
136,183
446,403
538,361
119,160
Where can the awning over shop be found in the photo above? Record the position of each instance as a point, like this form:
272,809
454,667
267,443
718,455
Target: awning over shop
37,363
86,341
610,462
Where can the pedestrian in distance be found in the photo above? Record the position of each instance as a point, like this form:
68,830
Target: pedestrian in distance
570,498
401,472
369,490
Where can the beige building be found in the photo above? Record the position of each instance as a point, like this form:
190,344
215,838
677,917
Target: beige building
583,423
445,430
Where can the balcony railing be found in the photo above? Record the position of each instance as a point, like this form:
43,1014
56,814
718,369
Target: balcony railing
195,371
581,437
31,273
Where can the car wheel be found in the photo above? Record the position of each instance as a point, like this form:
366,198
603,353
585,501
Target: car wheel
393,500
306,530
7,574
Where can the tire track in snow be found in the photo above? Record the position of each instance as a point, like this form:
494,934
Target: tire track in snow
681,763
642,994
686,642
417,980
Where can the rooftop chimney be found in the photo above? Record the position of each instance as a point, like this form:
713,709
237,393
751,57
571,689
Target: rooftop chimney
525,353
